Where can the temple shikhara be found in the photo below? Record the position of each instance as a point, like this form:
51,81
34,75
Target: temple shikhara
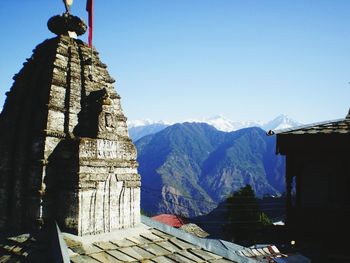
65,150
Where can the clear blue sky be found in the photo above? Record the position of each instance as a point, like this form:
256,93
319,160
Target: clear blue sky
179,59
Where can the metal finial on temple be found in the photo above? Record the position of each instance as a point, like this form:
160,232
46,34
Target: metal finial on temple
67,4
67,24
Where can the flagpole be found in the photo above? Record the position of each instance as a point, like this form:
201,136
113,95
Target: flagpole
90,10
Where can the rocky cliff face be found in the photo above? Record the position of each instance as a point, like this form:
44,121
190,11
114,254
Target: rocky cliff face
188,168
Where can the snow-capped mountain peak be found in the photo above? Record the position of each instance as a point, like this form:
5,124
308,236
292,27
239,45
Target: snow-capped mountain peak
280,122
218,121
222,123
139,128
146,122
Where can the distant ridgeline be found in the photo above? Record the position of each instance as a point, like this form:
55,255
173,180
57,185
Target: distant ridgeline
186,169
140,128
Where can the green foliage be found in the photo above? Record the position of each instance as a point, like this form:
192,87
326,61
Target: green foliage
264,219
244,206
244,217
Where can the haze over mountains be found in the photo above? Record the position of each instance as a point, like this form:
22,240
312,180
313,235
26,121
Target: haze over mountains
188,168
140,128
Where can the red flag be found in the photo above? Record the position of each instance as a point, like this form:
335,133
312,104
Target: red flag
90,10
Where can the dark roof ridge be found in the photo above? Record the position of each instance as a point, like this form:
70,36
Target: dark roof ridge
348,115
307,126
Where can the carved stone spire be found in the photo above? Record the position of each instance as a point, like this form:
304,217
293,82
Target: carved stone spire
65,150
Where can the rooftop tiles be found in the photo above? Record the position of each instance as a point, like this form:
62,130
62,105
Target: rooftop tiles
86,250
23,248
204,254
83,259
169,246
144,243
105,257
136,252
150,246
341,126
181,258
192,256
124,242
138,240
181,244
105,245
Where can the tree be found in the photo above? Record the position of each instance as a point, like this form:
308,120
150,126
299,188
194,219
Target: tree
244,217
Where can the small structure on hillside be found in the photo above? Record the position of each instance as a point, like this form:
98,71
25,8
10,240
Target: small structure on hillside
170,220
181,223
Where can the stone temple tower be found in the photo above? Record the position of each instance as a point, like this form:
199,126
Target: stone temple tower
65,153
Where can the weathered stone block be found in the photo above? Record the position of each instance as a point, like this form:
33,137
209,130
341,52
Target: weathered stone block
55,120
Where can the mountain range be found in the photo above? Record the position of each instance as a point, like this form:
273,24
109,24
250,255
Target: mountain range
140,128
188,168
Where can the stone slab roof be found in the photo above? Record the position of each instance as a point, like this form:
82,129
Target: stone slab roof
340,126
150,241
150,245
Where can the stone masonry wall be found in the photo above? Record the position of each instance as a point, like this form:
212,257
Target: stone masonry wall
66,154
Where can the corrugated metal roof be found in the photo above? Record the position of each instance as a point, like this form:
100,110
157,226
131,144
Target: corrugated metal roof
170,220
